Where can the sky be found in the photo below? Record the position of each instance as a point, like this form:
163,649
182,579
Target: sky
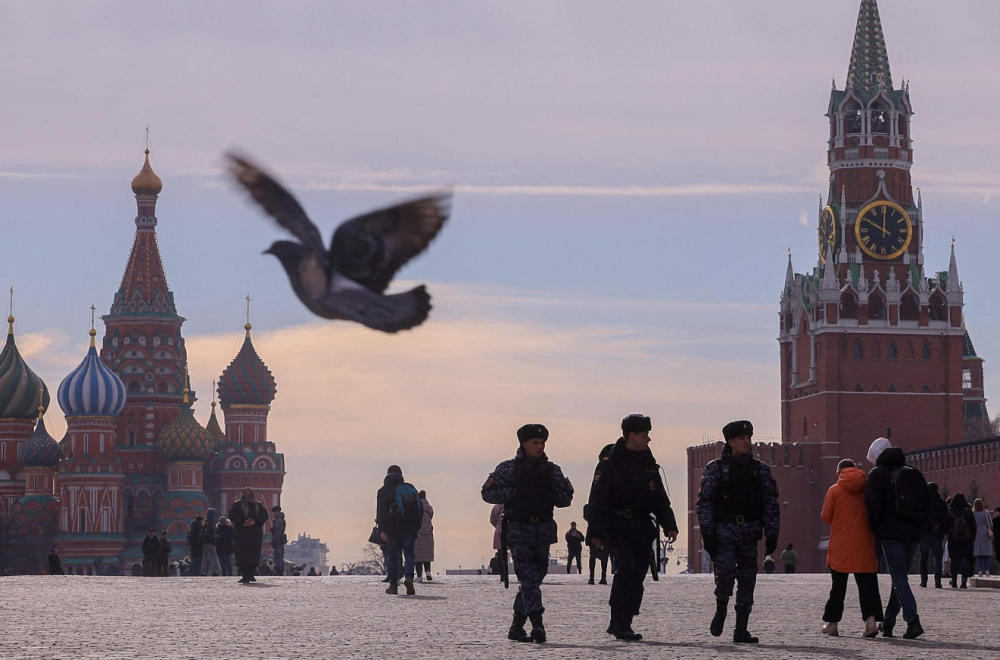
628,180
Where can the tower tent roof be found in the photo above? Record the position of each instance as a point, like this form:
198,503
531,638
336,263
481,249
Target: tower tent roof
869,58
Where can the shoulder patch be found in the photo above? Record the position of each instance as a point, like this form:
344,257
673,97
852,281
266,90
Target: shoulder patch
489,482
597,476
652,485
606,458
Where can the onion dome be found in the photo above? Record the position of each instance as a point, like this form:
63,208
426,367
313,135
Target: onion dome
185,439
40,449
19,385
146,182
92,388
247,380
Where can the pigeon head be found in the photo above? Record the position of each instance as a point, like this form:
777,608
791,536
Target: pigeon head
289,253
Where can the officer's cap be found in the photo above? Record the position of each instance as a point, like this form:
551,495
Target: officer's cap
636,423
736,429
532,431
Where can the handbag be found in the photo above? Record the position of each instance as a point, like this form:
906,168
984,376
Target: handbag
376,536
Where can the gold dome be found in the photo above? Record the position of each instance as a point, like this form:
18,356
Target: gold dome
146,182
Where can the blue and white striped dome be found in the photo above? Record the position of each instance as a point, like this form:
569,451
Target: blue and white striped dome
92,388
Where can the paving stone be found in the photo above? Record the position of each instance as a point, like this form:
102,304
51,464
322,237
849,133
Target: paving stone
452,617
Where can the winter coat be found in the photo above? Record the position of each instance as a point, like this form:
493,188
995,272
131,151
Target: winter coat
880,500
984,525
387,522
996,538
574,541
790,558
164,552
278,529
196,538
936,524
150,547
224,534
423,549
495,513
852,542
960,509
247,541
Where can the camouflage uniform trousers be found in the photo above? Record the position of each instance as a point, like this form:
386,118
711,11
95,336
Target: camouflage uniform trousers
529,548
736,559
279,555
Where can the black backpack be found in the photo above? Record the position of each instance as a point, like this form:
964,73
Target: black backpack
911,499
960,529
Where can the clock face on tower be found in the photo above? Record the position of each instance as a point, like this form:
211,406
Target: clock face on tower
827,232
883,230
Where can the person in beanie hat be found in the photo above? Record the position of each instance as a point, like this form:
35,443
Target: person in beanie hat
626,491
398,516
737,505
530,487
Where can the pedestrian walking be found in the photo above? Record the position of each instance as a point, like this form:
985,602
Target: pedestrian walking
423,549
248,517
150,551
163,555
768,565
55,566
996,536
627,490
574,547
851,550
398,515
961,539
196,542
932,536
278,539
224,545
737,505
790,559
898,503
210,564
983,550
530,487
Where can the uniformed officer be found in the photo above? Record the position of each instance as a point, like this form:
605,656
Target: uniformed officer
529,486
627,488
737,505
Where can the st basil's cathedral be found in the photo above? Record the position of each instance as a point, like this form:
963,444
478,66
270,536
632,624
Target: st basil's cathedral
134,456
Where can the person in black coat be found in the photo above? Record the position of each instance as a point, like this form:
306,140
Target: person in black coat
163,555
996,533
248,517
224,545
961,539
932,536
150,553
55,566
899,536
626,491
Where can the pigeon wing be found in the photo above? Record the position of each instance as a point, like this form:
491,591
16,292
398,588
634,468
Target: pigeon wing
278,202
371,248
392,313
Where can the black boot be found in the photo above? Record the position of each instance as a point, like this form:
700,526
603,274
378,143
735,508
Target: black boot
537,629
741,635
913,629
719,620
937,583
516,632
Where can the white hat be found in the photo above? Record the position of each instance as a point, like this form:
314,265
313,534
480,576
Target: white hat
879,446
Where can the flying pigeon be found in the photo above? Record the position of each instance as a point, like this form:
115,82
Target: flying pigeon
349,280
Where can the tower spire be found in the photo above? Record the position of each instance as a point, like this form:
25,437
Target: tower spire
869,67
10,316
953,282
247,327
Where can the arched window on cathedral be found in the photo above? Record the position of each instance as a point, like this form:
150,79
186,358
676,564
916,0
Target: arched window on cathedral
892,388
909,307
926,389
938,307
966,378
880,118
925,351
848,305
893,351
858,388
859,349
876,306
852,117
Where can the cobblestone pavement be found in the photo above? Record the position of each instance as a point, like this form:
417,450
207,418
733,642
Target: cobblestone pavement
452,617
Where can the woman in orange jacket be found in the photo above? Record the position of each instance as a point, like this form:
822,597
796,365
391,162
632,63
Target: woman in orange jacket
851,549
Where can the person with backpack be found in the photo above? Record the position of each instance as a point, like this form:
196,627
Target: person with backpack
224,545
790,558
897,501
961,539
530,487
210,536
398,515
851,550
932,536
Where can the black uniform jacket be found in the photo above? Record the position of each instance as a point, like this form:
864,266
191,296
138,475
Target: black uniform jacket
627,488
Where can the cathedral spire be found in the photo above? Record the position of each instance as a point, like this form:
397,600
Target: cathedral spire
144,285
954,284
869,67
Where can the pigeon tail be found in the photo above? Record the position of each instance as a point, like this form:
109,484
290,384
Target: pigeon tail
392,313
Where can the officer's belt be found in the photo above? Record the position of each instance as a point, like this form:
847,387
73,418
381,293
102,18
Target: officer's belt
533,520
629,514
739,520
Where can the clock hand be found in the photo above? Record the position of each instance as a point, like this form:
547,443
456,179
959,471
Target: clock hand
873,224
